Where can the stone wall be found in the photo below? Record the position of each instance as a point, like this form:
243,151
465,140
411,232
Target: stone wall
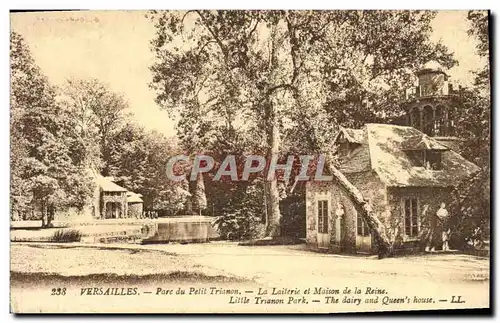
120,198
375,192
134,210
182,229
348,222
387,203
312,189
371,188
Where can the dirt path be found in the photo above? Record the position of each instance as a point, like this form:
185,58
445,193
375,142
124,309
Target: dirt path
213,264
270,264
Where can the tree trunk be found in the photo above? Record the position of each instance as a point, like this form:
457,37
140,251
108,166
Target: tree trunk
44,215
273,228
200,198
190,199
50,215
189,206
363,207
273,223
265,205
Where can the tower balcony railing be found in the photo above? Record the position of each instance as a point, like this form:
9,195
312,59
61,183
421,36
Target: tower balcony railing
419,92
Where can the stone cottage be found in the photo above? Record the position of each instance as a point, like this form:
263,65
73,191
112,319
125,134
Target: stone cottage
404,171
113,199
117,202
109,201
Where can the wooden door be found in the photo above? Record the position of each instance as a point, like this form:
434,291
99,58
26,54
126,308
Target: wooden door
363,236
323,220
109,211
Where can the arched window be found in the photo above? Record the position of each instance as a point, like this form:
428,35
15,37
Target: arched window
414,118
439,121
113,210
428,127
450,121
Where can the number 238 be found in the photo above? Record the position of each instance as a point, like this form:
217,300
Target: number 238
58,291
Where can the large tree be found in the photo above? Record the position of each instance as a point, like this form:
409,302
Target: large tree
99,113
46,158
471,199
479,29
276,72
137,161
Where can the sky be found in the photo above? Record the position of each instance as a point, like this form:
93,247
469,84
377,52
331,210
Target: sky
113,46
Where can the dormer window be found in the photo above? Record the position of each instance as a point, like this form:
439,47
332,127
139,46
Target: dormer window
433,159
345,148
424,152
429,159
348,140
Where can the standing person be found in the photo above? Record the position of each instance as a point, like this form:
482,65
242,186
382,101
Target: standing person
442,215
433,237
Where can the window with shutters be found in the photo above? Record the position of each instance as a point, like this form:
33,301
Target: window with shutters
363,229
411,217
323,216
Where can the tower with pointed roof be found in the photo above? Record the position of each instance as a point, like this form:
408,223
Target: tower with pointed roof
432,105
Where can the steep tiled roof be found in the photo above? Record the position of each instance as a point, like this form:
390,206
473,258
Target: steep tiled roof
353,135
386,148
357,161
420,142
107,185
134,197
389,160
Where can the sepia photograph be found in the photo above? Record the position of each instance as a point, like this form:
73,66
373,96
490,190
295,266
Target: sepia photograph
250,161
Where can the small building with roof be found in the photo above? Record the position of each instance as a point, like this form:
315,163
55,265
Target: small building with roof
403,173
115,201
405,170
134,204
108,201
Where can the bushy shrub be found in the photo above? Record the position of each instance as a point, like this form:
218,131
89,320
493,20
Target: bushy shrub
470,210
468,231
66,236
242,214
293,220
239,225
